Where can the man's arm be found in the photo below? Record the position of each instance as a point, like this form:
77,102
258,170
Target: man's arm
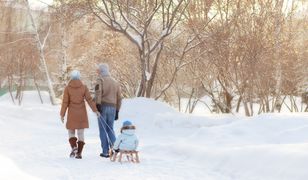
98,90
119,98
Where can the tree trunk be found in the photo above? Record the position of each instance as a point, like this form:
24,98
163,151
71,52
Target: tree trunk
64,69
251,108
228,98
246,109
10,83
277,50
267,106
238,104
38,90
40,47
150,82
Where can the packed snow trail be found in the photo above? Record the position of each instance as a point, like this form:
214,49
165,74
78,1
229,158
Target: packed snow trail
172,145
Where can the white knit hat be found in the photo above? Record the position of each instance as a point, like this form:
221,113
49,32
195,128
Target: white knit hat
75,75
104,69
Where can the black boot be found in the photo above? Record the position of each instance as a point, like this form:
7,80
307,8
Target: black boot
80,147
73,143
104,155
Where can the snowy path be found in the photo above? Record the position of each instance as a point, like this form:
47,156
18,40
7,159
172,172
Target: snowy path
172,146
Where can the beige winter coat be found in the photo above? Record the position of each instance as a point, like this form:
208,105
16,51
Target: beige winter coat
73,99
108,91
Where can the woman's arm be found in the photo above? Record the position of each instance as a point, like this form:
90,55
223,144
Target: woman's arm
90,100
65,102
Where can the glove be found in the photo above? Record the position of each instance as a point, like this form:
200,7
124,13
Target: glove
98,114
117,115
98,106
116,150
62,119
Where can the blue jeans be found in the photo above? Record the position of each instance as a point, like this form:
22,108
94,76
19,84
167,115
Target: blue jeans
105,125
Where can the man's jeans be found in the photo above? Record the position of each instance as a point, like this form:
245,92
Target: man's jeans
105,125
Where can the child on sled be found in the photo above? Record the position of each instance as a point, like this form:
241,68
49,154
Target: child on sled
126,143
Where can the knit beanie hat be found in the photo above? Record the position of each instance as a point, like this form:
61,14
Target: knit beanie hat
127,123
75,75
104,69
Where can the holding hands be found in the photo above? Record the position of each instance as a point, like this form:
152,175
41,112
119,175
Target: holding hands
98,114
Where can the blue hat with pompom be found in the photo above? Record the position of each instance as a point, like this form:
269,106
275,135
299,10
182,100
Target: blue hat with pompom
127,123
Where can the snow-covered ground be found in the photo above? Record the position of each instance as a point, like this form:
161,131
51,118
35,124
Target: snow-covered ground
175,146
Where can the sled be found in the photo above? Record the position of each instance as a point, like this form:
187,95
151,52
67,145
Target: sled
131,156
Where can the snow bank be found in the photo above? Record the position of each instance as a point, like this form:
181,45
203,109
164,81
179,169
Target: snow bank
8,170
28,98
172,145
269,146
156,113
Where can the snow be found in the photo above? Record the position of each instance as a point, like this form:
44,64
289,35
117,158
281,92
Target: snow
40,4
9,170
164,32
172,145
30,98
148,75
136,38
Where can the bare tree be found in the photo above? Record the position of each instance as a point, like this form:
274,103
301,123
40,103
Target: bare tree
137,20
41,46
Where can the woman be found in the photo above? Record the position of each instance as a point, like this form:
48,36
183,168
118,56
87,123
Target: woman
77,120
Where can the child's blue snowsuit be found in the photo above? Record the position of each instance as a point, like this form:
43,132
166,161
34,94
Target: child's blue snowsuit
127,140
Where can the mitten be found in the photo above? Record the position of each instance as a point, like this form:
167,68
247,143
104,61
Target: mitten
117,115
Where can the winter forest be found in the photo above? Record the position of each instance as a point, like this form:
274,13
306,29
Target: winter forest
217,89
225,55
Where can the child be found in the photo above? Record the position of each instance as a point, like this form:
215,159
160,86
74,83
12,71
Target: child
127,140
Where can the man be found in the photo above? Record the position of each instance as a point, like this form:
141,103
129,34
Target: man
108,100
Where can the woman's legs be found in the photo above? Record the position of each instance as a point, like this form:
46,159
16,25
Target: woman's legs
80,134
76,149
73,142
71,133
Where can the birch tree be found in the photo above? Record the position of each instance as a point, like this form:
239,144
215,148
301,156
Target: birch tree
40,43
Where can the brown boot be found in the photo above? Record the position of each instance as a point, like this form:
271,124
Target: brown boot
80,147
73,143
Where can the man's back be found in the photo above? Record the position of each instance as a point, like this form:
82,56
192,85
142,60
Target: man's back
110,92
